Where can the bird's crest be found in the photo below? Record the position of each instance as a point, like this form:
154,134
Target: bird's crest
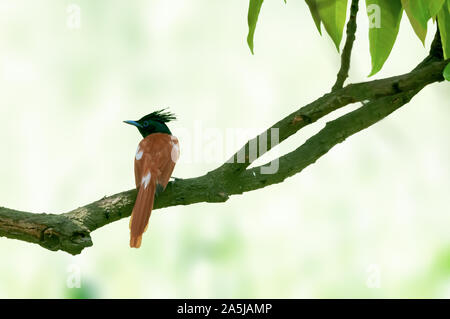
161,116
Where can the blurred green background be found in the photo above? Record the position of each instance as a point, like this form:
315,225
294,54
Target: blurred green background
369,219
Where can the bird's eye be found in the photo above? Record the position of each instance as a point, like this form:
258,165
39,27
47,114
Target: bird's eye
145,124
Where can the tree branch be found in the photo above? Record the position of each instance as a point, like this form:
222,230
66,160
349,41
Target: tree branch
352,93
347,51
70,232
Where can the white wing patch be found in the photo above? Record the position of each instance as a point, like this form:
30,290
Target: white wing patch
146,180
175,153
139,153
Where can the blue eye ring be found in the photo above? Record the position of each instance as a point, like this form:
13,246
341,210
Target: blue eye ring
145,124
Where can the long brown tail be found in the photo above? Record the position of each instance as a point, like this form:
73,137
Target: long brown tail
141,212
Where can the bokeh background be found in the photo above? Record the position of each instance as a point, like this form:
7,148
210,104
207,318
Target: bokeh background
369,219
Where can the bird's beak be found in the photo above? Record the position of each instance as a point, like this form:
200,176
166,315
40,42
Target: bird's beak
134,123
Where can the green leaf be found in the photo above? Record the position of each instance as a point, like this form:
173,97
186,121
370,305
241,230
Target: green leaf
444,27
447,72
312,4
419,12
384,23
253,13
333,14
434,6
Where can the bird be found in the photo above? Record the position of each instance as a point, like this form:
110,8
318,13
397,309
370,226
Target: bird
154,161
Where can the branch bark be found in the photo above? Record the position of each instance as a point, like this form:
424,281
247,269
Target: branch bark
70,232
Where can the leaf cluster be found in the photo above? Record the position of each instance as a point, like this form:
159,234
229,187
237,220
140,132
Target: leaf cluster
384,23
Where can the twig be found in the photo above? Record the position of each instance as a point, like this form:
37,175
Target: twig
347,51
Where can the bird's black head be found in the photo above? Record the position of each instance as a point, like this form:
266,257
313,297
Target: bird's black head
154,122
